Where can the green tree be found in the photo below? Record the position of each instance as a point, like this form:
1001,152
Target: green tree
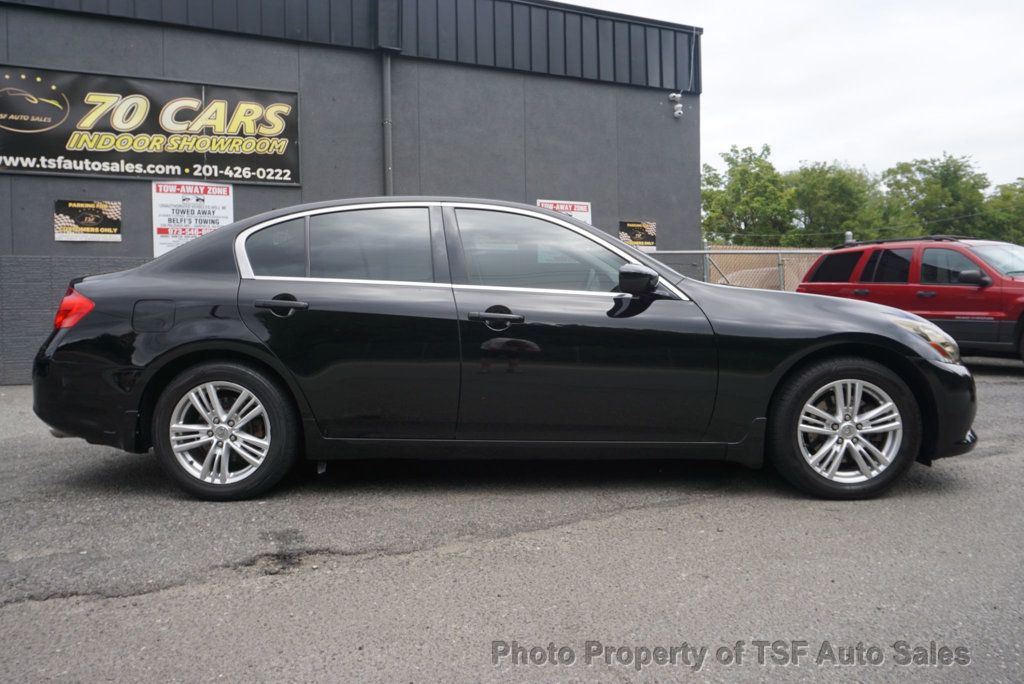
830,199
749,203
1004,213
934,196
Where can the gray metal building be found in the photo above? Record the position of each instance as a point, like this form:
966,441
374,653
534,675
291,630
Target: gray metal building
509,99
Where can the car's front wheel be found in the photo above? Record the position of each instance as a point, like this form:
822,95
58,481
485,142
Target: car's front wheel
225,431
844,428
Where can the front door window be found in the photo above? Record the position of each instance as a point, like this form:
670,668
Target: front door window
512,250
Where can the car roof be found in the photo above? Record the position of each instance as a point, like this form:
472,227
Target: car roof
897,243
241,225
225,236
387,199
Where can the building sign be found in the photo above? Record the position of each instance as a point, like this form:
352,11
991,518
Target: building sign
74,124
86,221
578,210
640,234
184,211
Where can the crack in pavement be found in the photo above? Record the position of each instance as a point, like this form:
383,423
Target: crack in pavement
286,561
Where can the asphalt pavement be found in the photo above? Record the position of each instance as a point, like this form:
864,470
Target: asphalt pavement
483,570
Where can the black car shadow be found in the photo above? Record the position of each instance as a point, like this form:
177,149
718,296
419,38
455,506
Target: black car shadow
534,475
118,473
140,476
122,473
526,476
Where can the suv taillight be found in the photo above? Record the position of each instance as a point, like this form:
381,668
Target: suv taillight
73,308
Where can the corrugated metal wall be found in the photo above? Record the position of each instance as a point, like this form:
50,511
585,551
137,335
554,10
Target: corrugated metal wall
553,40
523,35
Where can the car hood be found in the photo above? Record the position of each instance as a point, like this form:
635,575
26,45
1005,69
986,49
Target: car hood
745,311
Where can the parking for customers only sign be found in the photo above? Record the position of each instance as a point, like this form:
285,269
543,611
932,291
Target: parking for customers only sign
184,211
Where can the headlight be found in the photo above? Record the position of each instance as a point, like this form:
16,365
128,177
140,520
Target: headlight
934,336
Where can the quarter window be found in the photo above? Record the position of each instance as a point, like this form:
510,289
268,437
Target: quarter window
279,250
888,266
944,266
512,250
372,244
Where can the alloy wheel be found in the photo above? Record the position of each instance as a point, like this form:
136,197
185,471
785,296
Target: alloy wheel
219,432
849,431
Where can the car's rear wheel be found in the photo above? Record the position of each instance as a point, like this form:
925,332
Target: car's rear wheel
844,428
225,431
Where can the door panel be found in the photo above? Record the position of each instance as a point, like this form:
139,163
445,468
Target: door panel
970,313
583,366
373,359
885,278
368,327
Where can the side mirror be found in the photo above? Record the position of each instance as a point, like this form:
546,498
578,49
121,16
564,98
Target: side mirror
637,279
974,277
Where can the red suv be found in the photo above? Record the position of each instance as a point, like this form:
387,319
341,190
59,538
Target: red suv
973,289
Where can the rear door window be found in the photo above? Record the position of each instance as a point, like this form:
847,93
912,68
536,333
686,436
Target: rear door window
888,266
279,250
836,268
372,244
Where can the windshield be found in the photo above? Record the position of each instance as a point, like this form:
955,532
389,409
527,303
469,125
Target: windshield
1007,259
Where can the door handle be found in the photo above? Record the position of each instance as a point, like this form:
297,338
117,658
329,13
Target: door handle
860,292
925,293
280,304
494,317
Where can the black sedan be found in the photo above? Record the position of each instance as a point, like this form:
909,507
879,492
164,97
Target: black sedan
410,327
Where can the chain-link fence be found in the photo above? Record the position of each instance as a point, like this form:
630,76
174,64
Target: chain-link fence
769,268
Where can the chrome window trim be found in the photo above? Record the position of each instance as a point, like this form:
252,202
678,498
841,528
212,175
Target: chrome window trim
353,281
242,259
415,283
246,272
541,290
564,224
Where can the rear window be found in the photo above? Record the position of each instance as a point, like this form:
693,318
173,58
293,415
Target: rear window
835,268
888,266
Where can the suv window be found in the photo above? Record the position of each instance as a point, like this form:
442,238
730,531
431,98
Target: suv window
372,244
888,266
943,266
512,250
836,268
279,250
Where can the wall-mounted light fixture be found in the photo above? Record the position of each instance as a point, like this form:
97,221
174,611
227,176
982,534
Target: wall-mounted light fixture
677,108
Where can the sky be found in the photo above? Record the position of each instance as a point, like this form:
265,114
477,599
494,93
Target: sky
867,83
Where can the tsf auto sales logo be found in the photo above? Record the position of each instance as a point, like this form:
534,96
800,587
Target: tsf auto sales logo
30,104
74,123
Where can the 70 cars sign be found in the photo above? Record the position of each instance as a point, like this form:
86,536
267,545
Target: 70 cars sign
63,123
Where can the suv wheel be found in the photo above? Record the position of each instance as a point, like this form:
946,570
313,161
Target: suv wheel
844,428
225,431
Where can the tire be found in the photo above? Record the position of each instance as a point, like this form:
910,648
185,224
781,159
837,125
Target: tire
804,447
261,441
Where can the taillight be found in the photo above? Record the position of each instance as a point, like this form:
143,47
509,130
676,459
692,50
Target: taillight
73,308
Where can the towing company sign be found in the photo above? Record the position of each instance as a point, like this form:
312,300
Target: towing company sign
184,211
66,123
